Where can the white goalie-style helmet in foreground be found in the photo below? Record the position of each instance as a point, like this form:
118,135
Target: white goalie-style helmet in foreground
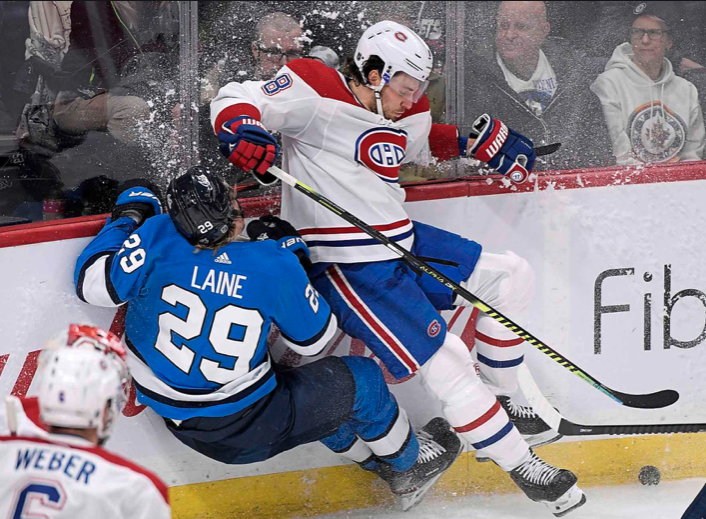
400,49
83,380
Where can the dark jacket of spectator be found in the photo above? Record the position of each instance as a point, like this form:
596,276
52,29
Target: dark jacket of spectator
572,117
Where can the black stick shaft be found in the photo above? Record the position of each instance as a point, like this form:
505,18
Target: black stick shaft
661,399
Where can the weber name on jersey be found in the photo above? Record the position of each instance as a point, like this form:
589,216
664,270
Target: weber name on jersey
201,348
65,477
338,147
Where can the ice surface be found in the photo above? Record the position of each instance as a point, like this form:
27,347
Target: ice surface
667,500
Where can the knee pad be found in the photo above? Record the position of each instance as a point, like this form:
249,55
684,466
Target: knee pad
521,281
450,371
368,377
505,281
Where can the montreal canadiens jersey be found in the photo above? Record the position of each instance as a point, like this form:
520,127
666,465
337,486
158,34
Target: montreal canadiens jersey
350,155
66,477
197,321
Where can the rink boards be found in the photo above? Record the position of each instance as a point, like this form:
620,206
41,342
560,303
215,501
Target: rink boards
621,277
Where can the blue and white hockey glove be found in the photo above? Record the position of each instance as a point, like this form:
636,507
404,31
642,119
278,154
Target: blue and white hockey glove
137,202
248,145
502,148
274,228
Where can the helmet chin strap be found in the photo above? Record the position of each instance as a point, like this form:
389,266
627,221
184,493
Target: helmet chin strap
378,98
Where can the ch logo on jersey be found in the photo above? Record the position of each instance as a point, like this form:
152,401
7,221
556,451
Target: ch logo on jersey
434,328
382,150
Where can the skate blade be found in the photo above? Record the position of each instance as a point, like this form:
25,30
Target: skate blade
412,499
534,441
571,500
545,438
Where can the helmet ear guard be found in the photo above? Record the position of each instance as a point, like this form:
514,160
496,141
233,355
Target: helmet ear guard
201,206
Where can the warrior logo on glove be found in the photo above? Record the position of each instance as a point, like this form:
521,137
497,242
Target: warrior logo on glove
502,148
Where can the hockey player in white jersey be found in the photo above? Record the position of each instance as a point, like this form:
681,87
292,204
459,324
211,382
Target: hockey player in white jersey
52,465
347,136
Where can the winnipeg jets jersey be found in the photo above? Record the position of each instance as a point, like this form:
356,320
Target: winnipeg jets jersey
340,149
197,324
66,477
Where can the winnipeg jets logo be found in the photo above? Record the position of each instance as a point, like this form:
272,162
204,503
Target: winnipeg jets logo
203,181
382,150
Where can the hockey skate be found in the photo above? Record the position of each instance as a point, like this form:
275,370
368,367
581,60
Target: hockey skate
556,488
535,431
438,449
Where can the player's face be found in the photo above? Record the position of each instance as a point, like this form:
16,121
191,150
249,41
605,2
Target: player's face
238,222
399,94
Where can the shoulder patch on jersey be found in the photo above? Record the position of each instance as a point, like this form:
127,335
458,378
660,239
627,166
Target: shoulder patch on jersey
419,107
382,150
107,456
327,82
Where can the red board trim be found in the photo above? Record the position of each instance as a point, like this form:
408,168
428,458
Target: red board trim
85,226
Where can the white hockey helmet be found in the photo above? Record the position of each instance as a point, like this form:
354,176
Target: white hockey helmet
83,380
400,49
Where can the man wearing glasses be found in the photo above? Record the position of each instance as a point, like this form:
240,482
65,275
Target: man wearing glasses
279,42
652,115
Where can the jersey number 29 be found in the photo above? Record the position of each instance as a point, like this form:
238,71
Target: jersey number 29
218,335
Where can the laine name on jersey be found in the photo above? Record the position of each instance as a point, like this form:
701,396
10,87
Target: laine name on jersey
218,282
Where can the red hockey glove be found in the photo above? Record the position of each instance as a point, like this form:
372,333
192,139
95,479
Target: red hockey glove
248,145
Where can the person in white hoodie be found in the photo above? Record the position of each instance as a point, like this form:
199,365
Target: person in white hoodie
652,115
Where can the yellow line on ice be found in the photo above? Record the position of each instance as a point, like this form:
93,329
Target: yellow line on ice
308,493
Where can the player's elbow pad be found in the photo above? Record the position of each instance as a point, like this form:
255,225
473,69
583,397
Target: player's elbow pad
93,284
315,344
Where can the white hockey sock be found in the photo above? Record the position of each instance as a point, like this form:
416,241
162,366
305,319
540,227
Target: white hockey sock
358,452
392,443
500,353
470,407
505,282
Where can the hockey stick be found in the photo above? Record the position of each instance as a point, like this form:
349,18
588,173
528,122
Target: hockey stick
547,150
697,508
556,421
649,401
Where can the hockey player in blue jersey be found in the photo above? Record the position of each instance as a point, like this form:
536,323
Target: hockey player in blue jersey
202,301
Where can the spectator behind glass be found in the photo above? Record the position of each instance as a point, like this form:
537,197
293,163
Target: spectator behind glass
540,84
119,54
325,55
279,42
652,114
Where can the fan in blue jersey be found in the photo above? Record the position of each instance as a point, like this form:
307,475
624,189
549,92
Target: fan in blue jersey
202,301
